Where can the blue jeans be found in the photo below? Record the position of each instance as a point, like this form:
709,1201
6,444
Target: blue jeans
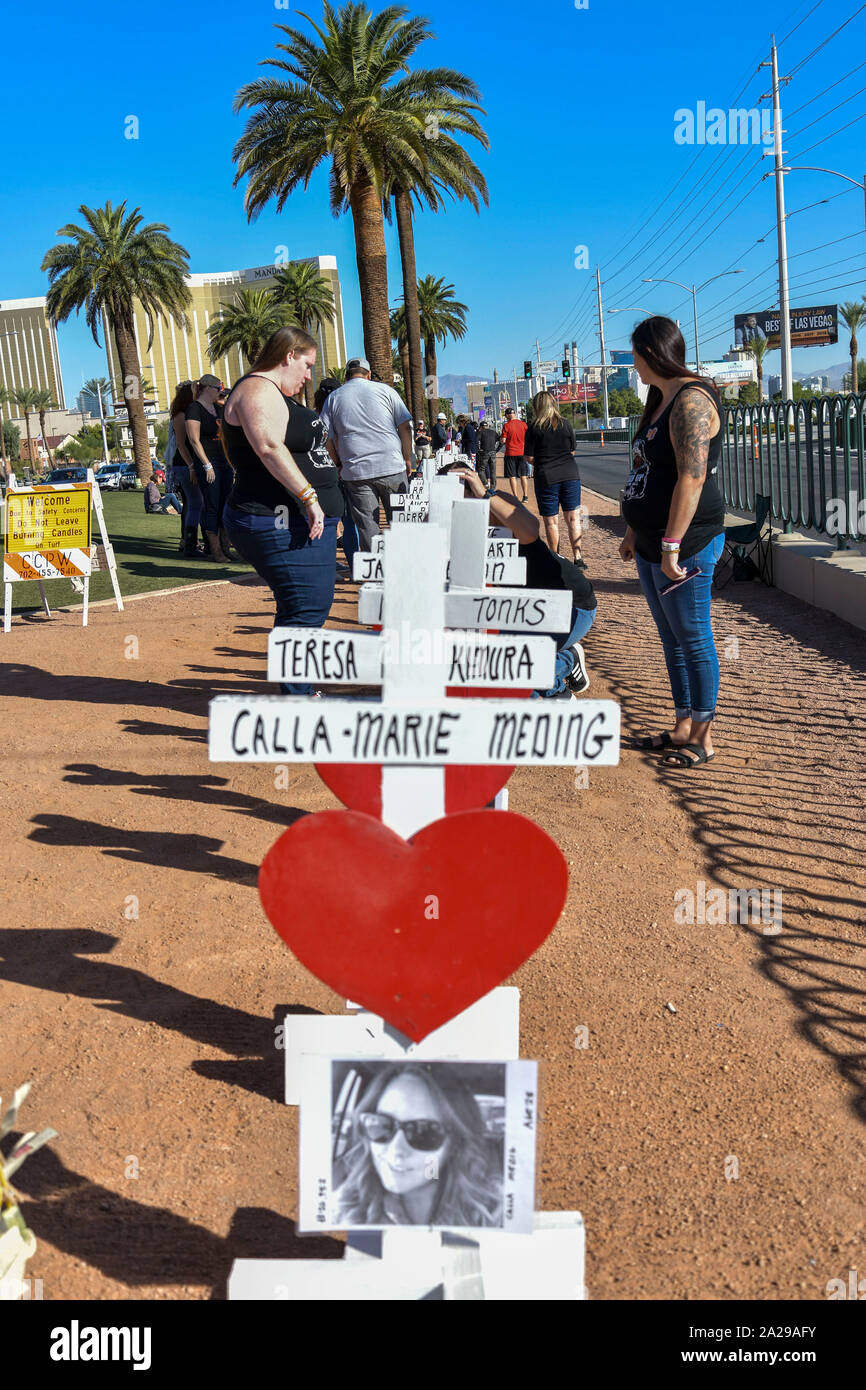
169,500
555,495
349,542
190,493
215,494
683,621
582,620
300,572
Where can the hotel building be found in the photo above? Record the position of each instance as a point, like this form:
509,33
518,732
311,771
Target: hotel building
28,351
181,354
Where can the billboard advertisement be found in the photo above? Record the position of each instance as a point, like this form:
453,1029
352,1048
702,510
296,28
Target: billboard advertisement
809,327
569,392
622,357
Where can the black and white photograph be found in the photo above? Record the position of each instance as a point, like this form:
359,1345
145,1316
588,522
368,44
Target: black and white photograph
441,1145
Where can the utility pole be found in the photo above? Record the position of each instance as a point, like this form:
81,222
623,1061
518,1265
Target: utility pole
102,424
606,416
784,301
516,406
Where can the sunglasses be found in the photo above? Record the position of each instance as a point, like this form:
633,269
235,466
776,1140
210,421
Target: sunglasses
425,1135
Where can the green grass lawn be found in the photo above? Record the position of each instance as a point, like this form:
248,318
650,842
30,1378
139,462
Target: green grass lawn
145,548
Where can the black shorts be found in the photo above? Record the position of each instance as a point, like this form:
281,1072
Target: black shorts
516,466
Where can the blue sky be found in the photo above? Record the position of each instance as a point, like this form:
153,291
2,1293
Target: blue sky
580,112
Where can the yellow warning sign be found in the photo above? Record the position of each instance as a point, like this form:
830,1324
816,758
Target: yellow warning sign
46,519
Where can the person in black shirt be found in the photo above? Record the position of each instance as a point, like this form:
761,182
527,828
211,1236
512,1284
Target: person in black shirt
468,440
439,433
549,445
423,442
488,442
675,516
546,570
211,466
285,504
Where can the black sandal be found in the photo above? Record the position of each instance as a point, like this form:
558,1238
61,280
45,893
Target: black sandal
649,745
677,757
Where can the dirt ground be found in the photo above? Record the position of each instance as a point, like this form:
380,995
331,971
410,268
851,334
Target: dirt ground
715,1151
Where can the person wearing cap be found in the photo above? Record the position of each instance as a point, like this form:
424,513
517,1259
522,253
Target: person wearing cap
423,442
440,432
212,468
370,437
284,507
488,442
513,437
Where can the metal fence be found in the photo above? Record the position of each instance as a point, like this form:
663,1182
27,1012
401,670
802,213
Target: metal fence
808,457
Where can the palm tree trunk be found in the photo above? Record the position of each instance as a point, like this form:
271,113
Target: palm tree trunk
309,389
130,371
45,438
3,447
853,350
433,385
760,383
373,278
406,233
30,452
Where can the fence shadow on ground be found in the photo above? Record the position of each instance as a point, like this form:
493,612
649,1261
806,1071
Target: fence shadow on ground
784,804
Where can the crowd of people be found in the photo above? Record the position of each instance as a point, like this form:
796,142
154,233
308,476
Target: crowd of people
277,484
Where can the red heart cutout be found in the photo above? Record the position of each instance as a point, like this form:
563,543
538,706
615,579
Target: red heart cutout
354,902
467,788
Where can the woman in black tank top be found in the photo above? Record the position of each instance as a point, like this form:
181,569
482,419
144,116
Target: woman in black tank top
675,515
284,507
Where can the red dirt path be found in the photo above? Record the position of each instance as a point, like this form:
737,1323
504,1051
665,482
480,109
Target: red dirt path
150,1040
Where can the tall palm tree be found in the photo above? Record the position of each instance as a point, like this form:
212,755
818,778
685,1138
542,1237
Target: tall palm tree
111,262
100,388
6,398
247,324
442,317
758,348
853,314
42,404
309,301
25,398
445,102
337,100
400,337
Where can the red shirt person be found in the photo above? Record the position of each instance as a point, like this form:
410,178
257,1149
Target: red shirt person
513,437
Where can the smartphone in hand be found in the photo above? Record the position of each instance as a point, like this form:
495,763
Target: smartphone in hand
678,583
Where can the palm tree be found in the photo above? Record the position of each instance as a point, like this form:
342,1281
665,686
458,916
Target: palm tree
44,402
442,316
444,102
6,398
401,356
853,315
758,348
100,388
309,301
108,265
25,398
246,324
341,104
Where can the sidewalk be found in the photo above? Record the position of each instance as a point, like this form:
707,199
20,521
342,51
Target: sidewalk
139,977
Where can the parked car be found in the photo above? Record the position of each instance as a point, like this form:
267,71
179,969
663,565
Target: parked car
66,475
129,476
108,476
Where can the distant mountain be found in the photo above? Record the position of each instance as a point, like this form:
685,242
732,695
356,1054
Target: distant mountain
835,374
453,385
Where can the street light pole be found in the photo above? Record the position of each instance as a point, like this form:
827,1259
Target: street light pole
781,234
693,291
817,169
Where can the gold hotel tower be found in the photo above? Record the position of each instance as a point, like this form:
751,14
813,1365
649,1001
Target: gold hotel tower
178,354
28,351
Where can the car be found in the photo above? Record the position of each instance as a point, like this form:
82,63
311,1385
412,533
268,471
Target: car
66,475
129,477
108,476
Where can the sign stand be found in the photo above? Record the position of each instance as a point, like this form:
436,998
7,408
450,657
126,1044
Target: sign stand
47,535
407,1263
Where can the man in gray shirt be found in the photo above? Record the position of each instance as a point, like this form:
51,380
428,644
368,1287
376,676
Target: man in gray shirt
370,437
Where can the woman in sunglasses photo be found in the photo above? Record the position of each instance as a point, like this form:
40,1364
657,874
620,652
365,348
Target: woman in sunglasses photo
418,1154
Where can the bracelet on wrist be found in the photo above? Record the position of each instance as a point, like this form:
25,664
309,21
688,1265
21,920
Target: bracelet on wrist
670,547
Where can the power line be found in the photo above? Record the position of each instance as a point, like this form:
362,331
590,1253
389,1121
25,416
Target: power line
798,109
809,56
833,133
802,21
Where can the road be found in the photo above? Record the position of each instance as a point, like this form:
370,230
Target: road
603,470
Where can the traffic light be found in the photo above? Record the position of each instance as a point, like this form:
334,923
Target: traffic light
527,370
566,369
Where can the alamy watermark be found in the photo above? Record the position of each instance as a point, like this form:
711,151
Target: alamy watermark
739,126
734,906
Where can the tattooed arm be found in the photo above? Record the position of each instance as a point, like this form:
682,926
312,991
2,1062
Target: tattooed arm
694,422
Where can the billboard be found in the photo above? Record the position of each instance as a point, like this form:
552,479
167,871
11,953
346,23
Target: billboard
809,327
566,392
622,357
